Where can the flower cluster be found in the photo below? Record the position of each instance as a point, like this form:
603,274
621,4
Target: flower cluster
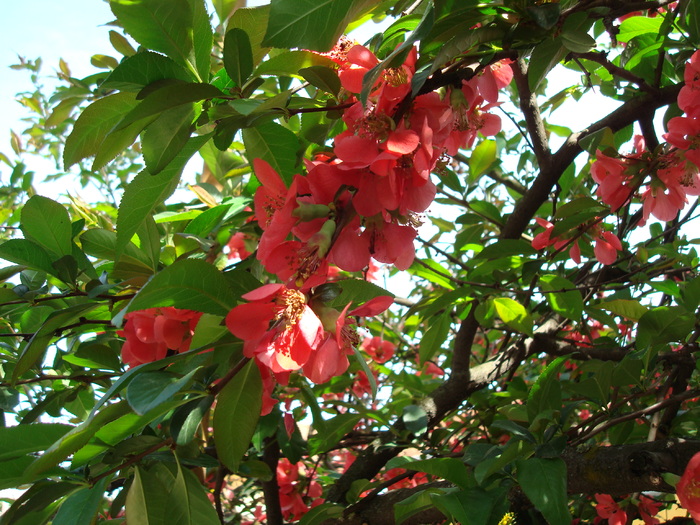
607,244
285,332
363,202
673,169
151,333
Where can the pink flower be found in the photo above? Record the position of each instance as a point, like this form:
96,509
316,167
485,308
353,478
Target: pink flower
609,510
277,326
688,488
606,247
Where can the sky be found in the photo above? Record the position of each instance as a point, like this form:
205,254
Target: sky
50,29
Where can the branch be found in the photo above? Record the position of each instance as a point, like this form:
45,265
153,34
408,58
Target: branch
615,470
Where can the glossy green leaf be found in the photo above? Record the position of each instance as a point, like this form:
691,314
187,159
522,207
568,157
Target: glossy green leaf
202,38
627,308
513,314
169,96
47,223
150,389
291,62
322,77
481,159
473,506
336,428
544,482
27,253
164,138
635,26
147,191
167,494
238,55
160,25
253,20
190,284
36,347
416,419
236,415
275,144
664,324
321,514
81,507
310,24
75,439
562,296
450,469
144,68
93,125
186,419
435,336
23,439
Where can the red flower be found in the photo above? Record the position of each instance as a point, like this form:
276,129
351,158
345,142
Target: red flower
609,510
648,508
278,327
688,488
378,349
151,333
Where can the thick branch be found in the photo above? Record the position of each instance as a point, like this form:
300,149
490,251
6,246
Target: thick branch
616,470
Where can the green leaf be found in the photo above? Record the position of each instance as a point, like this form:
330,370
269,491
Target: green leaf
416,419
577,41
169,96
321,514
627,308
147,191
203,38
164,138
664,324
35,349
93,125
513,314
515,429
47,223
81,507
310,24
144,68
545,394
167,493
253,21
75,439
103,245
336,428
238,55
481,159
435,336
186,419
450,469
635,26
568,303
236,415
473,506
150,389
23,439
291,62
322,77
27,253
544,57
161,25
579,205
275,144
546,15
544,482
188,283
